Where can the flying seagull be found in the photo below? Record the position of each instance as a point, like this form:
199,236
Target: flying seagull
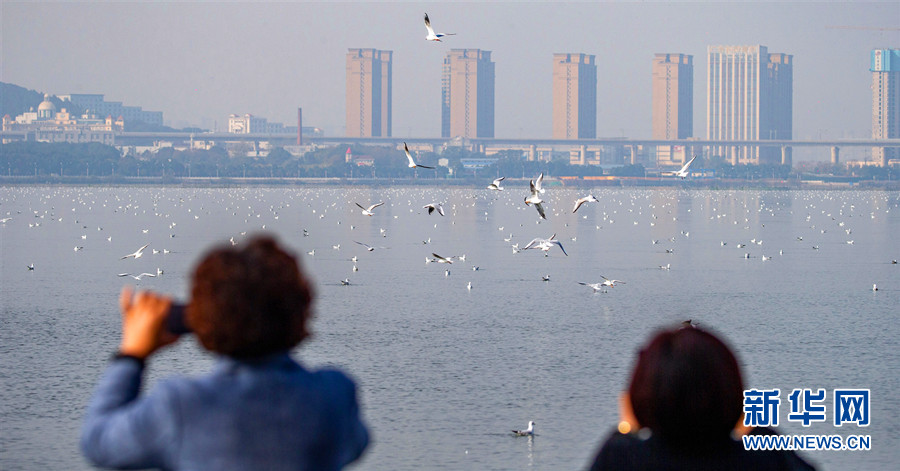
595,286
527,432
368,211
137,253
440,259
434,206
137,277
412,163
432,36
610,283
535,196
496,184
545,244
367,246
684,170
581,201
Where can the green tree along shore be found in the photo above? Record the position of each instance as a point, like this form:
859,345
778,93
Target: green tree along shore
40,159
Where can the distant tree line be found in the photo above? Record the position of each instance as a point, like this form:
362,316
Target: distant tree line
41,159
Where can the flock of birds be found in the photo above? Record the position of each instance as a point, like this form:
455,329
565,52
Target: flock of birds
226,216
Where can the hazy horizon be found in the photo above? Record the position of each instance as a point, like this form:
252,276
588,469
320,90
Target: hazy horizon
198,62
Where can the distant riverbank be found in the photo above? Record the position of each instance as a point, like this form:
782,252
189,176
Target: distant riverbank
809,182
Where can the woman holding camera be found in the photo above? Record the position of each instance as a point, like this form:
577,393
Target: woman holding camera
259,408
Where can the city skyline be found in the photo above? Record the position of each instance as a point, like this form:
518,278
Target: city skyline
291,55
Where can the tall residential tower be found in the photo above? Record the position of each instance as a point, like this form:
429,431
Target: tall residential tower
749,97
467,94
673,104
368,93
574,96
885,67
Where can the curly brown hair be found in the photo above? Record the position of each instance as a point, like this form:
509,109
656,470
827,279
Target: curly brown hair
249,301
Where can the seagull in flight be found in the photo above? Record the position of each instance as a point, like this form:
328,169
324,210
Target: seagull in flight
581,201
595,286
434,206
137,253
440,259
412,163
545,244
610,283
368,211
684,170
432,36
535,196
367,246
496,184
138,277
527,432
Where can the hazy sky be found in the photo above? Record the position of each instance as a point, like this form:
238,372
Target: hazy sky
198,62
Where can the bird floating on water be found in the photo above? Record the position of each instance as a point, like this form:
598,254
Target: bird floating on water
527,432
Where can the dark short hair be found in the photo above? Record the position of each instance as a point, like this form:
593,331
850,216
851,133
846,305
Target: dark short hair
249,300
687,388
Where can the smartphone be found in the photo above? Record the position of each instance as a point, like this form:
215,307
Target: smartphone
175,322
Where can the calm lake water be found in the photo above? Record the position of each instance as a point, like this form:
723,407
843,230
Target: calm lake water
446,372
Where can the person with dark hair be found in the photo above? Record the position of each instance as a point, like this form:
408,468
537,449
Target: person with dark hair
259,408
683,411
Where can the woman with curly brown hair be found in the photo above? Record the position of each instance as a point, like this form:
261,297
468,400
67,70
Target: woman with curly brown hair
259,409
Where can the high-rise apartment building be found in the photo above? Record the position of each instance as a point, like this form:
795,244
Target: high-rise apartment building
673,96
749,97
673,104
574,96
368,93
467,94
885,68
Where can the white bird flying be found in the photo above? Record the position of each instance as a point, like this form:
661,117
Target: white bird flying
137,253
412,163
368,211
581,201
496,184
535,197
440,259
595,286
545,244
434,206
524,433
367,246
610,283
432,36
684,170
138,277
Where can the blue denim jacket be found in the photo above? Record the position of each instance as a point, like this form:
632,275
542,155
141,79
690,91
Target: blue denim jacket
268,413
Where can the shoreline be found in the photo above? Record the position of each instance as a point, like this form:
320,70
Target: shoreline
550,182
